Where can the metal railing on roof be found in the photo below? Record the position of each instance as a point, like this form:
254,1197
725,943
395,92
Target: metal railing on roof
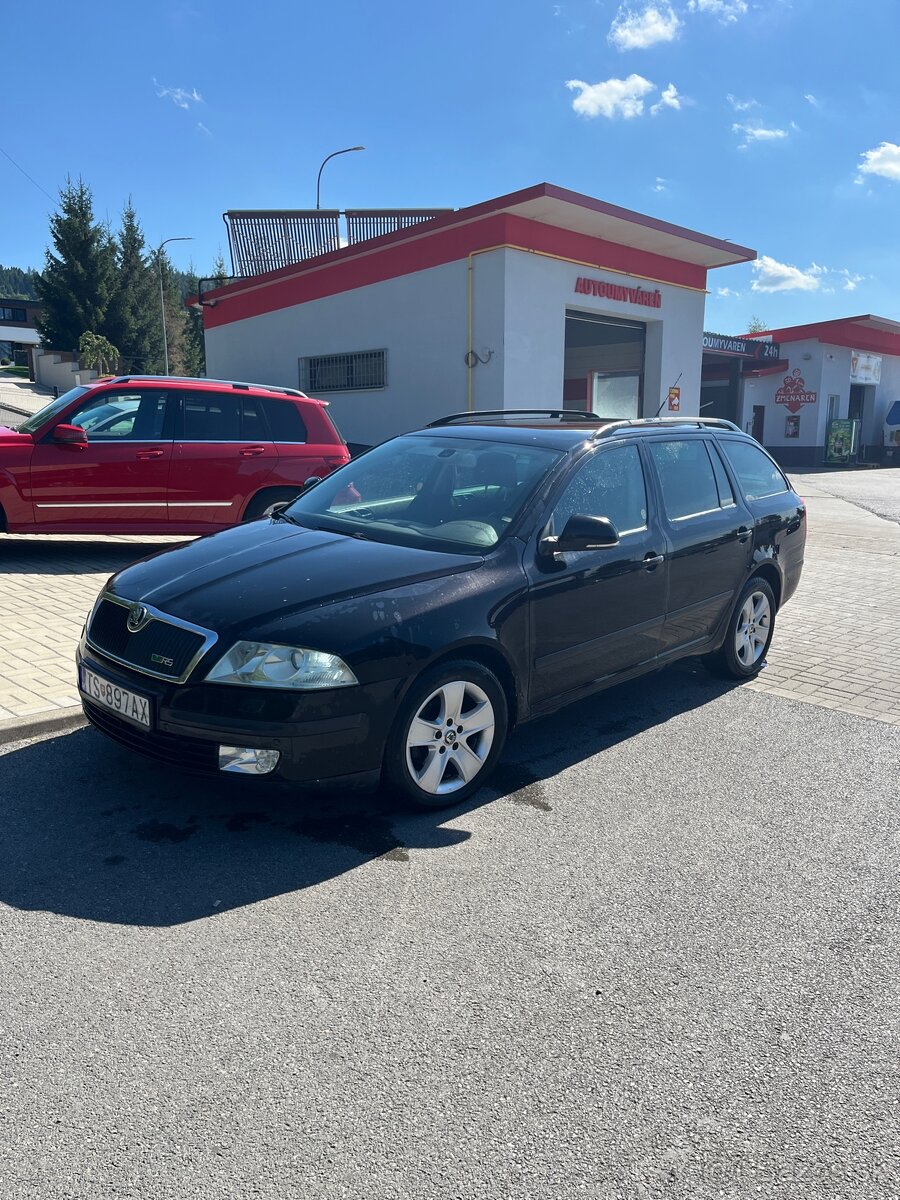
263,240
365,223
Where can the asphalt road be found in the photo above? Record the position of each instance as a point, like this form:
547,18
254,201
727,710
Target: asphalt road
658,961
878,491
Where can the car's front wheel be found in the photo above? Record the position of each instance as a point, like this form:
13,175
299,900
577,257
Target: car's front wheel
743,653
448,735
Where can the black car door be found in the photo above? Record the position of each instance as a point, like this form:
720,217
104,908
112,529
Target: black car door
710,532
597,612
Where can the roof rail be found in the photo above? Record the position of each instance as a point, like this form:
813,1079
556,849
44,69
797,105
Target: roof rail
667,422
238,386
559,414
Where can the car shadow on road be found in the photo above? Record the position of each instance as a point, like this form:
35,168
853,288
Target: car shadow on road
42,554
89,830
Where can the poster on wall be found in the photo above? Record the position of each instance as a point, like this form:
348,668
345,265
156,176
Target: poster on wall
792,427
842,442
865,368
793,392
674,399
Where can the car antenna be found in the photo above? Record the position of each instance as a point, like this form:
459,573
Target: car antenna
674,385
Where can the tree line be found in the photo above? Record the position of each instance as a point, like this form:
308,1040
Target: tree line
107,283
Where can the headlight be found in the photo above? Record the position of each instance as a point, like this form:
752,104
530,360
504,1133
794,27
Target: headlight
259,664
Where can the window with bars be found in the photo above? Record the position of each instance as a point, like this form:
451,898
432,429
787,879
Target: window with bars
361,370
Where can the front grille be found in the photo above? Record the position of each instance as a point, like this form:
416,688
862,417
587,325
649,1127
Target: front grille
160,648
188,754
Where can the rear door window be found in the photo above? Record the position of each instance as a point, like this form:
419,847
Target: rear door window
253,420
757,474
210,417
285,421
686,477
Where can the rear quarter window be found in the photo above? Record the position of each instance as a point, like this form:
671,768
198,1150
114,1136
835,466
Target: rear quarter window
285,421
756,473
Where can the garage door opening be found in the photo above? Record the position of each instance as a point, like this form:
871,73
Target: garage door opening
604,365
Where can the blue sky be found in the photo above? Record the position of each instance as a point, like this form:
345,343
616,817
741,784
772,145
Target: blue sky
773,123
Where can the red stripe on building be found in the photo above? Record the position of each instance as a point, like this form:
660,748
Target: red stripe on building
342,273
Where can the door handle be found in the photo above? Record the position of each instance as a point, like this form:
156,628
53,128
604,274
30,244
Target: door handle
652,560
252,451
142,454
743,533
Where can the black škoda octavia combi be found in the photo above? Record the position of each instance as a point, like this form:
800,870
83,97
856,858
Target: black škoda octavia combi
399,617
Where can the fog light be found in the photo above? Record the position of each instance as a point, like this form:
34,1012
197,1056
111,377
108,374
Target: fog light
245,761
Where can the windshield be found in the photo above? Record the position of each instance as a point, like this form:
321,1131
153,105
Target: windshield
43,415
435,492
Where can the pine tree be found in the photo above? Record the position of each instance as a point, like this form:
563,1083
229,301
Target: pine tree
77,282
195,346
176,316
194,350
133,321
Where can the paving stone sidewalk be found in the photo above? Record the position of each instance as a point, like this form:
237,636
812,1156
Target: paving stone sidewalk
837,643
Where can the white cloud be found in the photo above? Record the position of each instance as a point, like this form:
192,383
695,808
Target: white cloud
884,160
811,99
726,10
774,276
180,96
669,98
611,98
203,128
741,105
751,134
727,293
851,281
660,185
632,30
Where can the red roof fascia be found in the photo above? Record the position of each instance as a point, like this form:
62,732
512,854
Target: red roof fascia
841,332
336,273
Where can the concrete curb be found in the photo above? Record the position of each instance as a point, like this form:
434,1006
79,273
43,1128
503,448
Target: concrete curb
17,729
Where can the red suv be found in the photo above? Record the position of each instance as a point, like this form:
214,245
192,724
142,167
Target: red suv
158,454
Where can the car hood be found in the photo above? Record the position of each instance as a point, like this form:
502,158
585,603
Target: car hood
253,574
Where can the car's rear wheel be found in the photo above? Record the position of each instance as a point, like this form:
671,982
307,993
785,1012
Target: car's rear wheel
448,735
261,503
743,653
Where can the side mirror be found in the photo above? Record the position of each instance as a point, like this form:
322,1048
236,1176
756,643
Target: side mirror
69,435
582,533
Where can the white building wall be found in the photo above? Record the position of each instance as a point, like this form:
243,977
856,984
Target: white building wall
519,303
420,319
826,371
539,290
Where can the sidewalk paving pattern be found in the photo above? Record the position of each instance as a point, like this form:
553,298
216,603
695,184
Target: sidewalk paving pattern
837,643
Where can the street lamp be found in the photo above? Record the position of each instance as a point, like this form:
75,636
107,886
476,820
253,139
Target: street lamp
349,150
162,298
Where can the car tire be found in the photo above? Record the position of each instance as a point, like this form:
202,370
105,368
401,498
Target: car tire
261,504
750,628
448,735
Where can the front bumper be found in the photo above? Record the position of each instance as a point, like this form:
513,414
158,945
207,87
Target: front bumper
330,737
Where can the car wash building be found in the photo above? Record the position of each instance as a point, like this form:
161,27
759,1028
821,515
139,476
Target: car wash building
812,394
539,298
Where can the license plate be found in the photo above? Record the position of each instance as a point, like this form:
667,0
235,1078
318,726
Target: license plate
121,701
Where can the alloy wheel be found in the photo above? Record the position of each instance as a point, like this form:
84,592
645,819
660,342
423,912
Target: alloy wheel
450,737
753,628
